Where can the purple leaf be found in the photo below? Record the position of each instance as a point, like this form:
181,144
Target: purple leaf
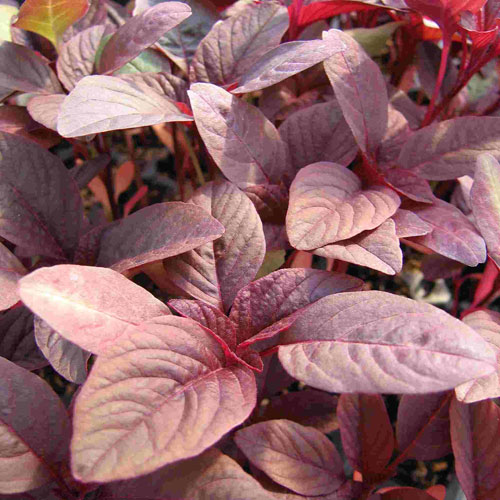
297,457
103,103
88,306
66,358
186,398
423,425
21,69
453,235
232,46
271,202
368,452
436,266
476,445
328,204
356,79
408,224
449,149
487,324
375,342
77,56
244,144
11,271
280,294
45,109
286,60
485,201
31,454
139,32
319,133
170,86
378,249
272,379
41,209
153,233
396,135
216,271
17,339
461,196
410,185
85,172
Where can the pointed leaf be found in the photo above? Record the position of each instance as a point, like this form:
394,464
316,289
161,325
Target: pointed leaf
410,185
280,294
21,69
319,133
243,143
76,56
88,306
45,109
85,172
378,249
476,445
41,208
423,425
453,235
375,342
215,272
103,103
487,324
328,204
11,271
30,453
297,457
409,224
284,61
355,79
140,32
368,452
449,149
186,399
66,358
485,200
232,46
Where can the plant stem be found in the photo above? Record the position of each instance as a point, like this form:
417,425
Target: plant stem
194,158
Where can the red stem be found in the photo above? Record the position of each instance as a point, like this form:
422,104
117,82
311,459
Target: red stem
486,284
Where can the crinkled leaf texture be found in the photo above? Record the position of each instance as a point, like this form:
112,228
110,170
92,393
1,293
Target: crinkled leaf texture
356,79
232,46
216,271
449,149
40,205
376,342
11,270
485,201
139,32
297,457
328,204
88,306
103,103
487,324
244,144
476,445
30,454
185,398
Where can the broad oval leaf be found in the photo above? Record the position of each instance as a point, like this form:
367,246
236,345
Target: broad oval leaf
41,208
30,453
139,32
50,18
103,103
375,342
77,55
232,46
328,204
216,271
319,133
297,457
11,271
485,201
21,69
284,61
356,79
378,249
475,431
185,399
487,324
449,149
244,144
88,306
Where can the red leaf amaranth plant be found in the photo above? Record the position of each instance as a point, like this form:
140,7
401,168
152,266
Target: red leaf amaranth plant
249,251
